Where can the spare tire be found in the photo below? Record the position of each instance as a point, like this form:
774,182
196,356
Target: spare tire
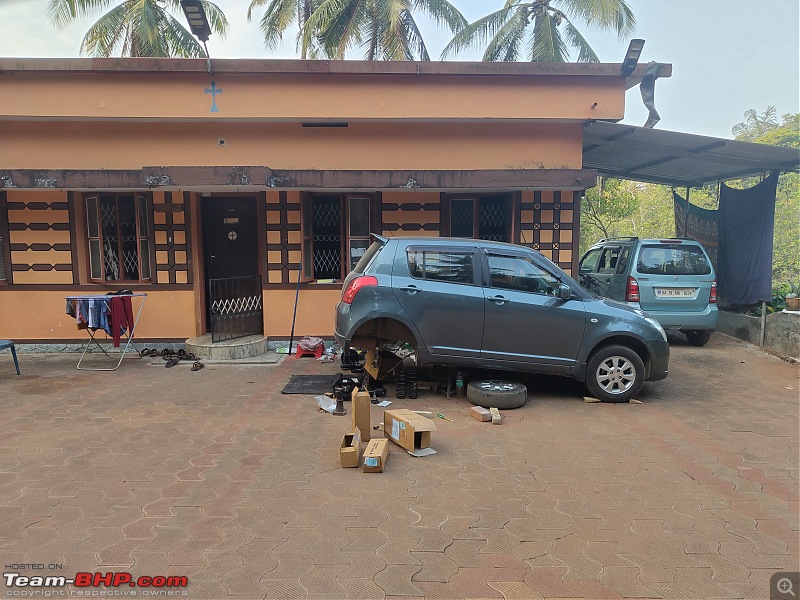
494,393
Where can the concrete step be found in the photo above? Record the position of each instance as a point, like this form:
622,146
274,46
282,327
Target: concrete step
245,347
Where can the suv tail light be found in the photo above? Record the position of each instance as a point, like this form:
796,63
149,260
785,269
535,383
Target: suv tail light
632,290
355,285
712,299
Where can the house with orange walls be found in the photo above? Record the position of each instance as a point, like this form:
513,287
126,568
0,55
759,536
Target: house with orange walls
185,180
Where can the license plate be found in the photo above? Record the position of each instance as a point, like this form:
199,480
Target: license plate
674,292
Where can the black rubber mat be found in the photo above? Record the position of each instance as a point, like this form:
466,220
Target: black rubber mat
309,384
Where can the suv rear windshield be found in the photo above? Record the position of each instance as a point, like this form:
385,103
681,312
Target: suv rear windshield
673,259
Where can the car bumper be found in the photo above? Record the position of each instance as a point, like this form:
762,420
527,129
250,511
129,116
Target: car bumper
690,321
659,360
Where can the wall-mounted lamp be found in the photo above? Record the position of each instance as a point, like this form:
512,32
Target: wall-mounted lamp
632,57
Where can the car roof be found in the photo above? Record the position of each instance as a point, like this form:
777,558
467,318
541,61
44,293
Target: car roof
632,240
455,241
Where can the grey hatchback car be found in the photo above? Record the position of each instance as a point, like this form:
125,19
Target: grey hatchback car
476,303
670,279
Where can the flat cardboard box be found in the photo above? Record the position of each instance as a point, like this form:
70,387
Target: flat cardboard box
360,407
350,449
376,455
480,413
409,430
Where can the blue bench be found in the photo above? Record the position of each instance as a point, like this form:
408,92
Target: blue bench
10,345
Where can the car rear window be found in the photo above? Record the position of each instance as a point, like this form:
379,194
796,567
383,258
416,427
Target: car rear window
673,259
367,257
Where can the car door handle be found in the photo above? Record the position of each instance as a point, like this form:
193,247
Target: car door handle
411,289
498,299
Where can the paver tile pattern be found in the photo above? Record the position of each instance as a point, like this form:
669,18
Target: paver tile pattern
216,475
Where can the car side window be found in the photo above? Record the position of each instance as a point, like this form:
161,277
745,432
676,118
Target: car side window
521,274
590,260
622,261
608,261
437,265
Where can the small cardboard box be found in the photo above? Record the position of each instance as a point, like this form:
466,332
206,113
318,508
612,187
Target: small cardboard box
350,449
376,455
480,413
360,409
409,430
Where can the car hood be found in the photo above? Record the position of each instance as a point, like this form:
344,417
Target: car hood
614,308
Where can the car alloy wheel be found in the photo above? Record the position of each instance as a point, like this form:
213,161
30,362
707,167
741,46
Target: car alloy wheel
495,393
615,374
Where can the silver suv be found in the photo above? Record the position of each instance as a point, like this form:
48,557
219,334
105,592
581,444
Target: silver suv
670,279
476,303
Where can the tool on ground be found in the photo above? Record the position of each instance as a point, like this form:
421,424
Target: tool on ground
441,416
342,388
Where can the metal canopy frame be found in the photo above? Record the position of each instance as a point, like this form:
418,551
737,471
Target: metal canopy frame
677,159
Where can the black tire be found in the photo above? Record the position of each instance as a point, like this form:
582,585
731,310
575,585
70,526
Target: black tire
614,374
493,393
698,338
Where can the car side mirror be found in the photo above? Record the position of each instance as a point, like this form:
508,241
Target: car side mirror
564,291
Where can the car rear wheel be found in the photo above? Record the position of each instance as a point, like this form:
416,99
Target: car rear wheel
698,338
614,374
493,393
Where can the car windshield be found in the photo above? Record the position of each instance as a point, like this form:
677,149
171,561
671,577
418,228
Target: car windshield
673,259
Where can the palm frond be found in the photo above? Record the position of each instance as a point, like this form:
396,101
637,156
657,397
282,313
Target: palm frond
106,33
442,12
505,45
604,15
577,41
64,12
178,41
477,33
546,44
278,17
415,44
216,18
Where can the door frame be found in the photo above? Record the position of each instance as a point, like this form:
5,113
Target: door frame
202,198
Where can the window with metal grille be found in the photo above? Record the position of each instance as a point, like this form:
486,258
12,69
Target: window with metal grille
336,234
481,217
118,232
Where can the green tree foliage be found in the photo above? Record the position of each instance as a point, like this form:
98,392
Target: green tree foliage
606,206
381,29
136,27
279,16
542,30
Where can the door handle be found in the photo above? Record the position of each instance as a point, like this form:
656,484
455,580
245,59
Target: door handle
411,289
498,299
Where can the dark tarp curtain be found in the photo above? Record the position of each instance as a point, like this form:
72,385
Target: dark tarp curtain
701,225
746,225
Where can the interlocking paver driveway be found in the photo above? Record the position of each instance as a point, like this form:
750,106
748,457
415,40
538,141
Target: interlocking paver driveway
218,476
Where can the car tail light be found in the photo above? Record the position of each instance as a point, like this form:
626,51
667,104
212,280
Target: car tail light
355,285
712,298
632,290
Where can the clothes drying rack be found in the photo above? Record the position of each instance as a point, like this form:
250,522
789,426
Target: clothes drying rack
128,335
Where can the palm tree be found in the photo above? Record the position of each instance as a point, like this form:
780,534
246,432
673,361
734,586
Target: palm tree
755,125
136,27
382,29
280,14
540,32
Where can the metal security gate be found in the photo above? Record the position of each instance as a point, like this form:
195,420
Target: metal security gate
235,307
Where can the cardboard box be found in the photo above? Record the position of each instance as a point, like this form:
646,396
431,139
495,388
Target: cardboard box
360,409
480,413
409,430
350,449
376,455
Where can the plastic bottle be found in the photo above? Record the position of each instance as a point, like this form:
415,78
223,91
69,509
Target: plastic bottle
459,384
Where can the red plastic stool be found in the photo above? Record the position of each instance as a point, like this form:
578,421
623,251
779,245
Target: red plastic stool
317,353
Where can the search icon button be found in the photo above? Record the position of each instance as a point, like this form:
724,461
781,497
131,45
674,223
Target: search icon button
784,586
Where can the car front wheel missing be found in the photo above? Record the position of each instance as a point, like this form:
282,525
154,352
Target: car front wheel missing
614,374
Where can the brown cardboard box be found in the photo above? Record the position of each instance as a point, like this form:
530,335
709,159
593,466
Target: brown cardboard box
360,409
376,455
409,430
480,413
350,449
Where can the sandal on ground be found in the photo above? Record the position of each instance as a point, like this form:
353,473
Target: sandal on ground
154,352
187,356
181,353
144,352
197,366
171,362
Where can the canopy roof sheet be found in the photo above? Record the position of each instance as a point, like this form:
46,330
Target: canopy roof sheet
677,159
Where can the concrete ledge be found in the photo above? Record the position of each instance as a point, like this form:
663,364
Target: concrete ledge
782,335
245,347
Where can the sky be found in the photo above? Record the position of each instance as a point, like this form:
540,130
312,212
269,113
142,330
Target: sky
727,56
